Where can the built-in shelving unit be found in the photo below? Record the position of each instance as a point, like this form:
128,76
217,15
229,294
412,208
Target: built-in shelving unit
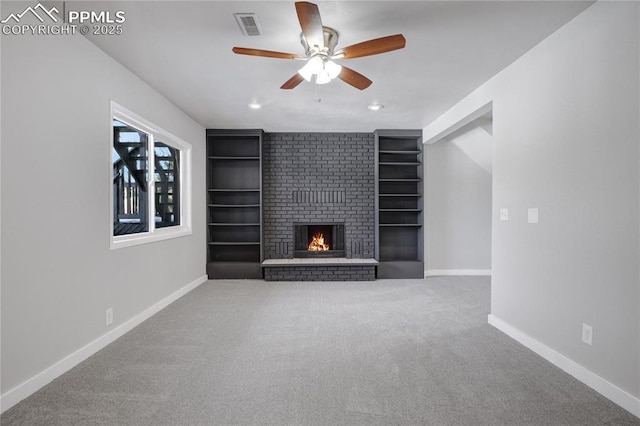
234,203
399,204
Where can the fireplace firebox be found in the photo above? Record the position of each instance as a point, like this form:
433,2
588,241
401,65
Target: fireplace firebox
318,240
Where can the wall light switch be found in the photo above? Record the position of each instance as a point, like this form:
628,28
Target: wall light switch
504,214
533,215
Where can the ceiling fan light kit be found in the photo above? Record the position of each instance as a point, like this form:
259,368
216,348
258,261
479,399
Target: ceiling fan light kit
319,43
322,68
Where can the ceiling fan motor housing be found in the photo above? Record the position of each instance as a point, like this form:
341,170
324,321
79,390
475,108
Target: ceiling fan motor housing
330,41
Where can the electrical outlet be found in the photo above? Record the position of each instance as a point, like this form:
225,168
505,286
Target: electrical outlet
587,334
532,215
109,316
504,214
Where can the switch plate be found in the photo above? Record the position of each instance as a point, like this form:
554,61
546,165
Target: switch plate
108,316
504,214
587,334
532,215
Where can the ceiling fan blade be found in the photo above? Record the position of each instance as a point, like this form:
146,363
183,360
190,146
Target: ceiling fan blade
292,82
311,24
372,47
354,78
264,53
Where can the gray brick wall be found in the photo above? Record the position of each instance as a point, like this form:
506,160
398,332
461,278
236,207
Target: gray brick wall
318,177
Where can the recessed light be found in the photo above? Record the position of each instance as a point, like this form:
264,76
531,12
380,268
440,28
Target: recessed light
255,105
375,107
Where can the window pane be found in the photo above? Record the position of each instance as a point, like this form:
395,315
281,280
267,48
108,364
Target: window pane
130,169
167,179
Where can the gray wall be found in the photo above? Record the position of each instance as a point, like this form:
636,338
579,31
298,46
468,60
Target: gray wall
457,211
58,272
318,177
566,138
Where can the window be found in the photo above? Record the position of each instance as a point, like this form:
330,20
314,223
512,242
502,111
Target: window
150,176
167,179
130,189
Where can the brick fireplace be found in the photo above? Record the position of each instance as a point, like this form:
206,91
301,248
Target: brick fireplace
324,180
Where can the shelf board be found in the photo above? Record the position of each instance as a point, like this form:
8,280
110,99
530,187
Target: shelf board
401,210
398,152
399,225
234,205
217,157
234,243
399,259
234,190
401,163
233,224
400,195
401,180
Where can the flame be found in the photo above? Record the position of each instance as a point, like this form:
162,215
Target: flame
317,243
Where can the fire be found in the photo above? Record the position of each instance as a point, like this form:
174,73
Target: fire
317,243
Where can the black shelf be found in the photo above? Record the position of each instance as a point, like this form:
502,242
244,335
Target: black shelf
235,243
233,190
233,224
400,152
399,212
233,158
234,205
400,163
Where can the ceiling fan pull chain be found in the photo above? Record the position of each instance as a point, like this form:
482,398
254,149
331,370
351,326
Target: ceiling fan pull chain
315,92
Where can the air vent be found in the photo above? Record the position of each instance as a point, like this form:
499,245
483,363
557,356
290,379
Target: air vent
248,23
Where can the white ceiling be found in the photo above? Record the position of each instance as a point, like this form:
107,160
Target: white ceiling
183,50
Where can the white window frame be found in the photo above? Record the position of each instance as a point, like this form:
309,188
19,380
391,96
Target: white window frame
120,113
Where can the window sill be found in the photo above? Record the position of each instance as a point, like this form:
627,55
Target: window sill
161,234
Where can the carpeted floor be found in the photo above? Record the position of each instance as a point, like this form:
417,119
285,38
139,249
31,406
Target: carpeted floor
388,352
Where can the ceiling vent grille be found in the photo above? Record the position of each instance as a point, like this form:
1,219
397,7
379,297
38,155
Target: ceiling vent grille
248,23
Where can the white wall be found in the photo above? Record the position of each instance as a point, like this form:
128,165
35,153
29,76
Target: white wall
566,140
457,212
58,272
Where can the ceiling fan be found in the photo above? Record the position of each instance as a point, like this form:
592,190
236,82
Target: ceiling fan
319,43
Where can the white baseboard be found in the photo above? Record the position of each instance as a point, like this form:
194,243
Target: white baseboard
22,391
449,272
600,385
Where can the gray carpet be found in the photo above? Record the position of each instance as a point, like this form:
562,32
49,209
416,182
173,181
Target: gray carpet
389,352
